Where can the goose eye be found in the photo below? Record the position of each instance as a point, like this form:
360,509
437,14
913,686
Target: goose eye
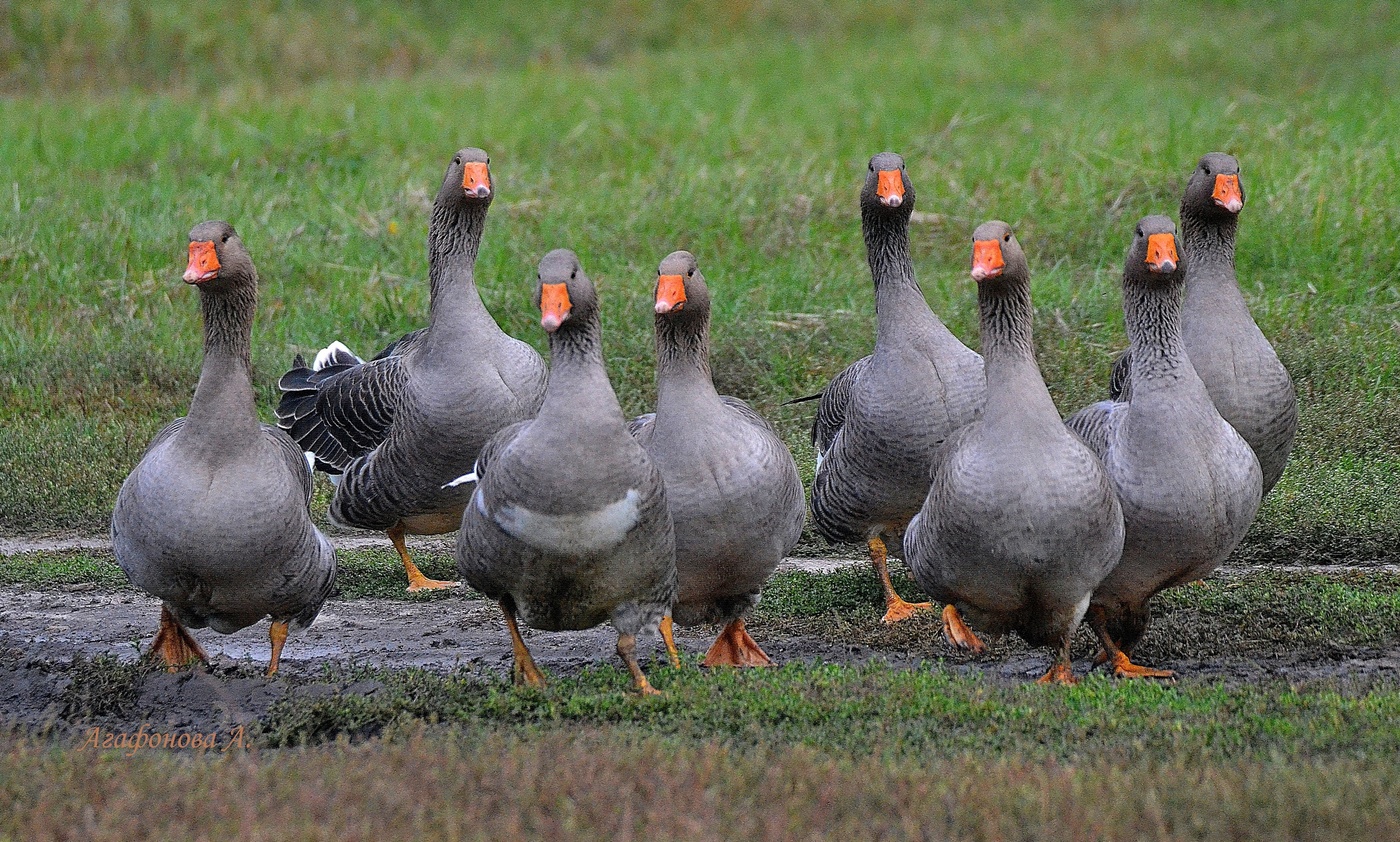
573,273
1205,170
1006,239
690,273
225,238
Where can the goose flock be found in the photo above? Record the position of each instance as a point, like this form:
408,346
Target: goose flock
568,514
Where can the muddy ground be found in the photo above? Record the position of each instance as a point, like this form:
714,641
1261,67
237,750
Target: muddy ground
47,637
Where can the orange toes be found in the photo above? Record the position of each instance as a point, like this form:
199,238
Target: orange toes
897,609
735,648
958,634
1123,667
1060,673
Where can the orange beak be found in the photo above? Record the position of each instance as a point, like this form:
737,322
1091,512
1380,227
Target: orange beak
670,293
554,306
1227,193
987,261
890,188
204,262
1161,253
476,180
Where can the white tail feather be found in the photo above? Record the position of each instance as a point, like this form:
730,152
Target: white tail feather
326,355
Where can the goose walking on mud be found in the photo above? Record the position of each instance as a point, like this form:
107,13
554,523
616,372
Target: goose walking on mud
568,525
393,430
732,486
1021,521
882,420
1189,483
215,520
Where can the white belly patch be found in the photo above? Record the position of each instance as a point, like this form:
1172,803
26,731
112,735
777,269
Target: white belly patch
579,534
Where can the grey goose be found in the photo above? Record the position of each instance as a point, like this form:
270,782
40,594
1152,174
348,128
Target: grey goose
733,488
568,525
393,430
215,519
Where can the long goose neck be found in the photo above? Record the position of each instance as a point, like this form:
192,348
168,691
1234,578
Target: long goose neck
454,300
454,237
1211,289
682,357
1006,317
1209,242
891,268
223,400
1152,312
578,385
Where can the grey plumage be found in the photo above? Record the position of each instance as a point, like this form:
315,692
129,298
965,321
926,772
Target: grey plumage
1240,369
214,520
734,492
896,407
416,415
1021,522
1188,483
568,523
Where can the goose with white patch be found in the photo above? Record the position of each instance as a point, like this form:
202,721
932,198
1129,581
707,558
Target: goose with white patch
882,420
1188,482
215,519
393,430
1021,521
1240,369
734,491
568,525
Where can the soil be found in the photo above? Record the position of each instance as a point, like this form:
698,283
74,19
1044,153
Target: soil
47,638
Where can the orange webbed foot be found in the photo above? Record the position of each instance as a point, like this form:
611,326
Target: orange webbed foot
1060,673
174,644
735,648
1123,667
897,610
958,634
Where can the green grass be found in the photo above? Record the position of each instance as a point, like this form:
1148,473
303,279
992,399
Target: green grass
605,783
739,132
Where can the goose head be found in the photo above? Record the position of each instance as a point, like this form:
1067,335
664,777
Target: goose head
1214,189
468,178
887,186
997,254
218,260
1155,251
563,293
681,294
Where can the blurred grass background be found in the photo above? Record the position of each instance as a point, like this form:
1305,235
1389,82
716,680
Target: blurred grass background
738,130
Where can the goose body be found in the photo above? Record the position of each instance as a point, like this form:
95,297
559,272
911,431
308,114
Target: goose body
1188,482
882,420
1021,522
733,489
396,428
568,524
1240,369
214,520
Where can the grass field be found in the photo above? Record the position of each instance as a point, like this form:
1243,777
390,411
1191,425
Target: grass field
740,131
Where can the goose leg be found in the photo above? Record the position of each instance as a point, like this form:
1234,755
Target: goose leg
1061,668
668,636
416,580
896,608
174,644
523,668
627,651
959,634
277,633
1123,667
735,648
